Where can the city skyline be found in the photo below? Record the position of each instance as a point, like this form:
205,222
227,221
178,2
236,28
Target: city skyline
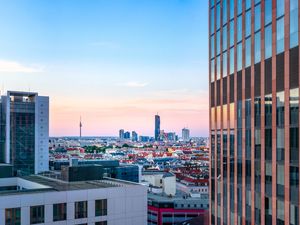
141,57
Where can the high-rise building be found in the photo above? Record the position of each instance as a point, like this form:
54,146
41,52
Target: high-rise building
134,136
121,134
254,111
24,132
127,135
185,134
157,127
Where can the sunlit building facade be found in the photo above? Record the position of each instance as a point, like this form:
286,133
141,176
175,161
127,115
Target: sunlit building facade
254,111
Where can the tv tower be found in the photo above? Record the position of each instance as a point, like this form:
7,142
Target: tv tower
80,126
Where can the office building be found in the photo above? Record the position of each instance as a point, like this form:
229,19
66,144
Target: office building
254,112
24,132
121,134
127,135
185,134
134,136
43,200
157,128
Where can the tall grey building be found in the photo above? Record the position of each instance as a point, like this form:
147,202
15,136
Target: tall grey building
157,127
185,134
24,132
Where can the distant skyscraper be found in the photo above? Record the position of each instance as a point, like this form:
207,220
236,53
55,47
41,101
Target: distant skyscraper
127,135
254,112
121,134
24,131
80,128
134,136
185,134
157,127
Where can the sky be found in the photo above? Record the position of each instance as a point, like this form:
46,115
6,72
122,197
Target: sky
115,63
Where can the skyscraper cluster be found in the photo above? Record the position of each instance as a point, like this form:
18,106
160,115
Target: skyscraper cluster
254,111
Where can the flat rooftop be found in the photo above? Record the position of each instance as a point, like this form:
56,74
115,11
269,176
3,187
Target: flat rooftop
38,184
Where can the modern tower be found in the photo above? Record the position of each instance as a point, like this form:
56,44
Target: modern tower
24,132
254,111
121,134
80,129
157,127
185,134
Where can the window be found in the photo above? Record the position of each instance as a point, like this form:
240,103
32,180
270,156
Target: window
224,12
101,223
13,216
81,210
293,23
59,212
218,42
37,214
268,11
239,28
218,71
231,69
257,22
218,17
280,8
212,70
212,46
248,52
257,52
101,207
268,41
239,7
280,35
231,33
248,4
224,64
239,56
231,9
212,21
224,37
248,23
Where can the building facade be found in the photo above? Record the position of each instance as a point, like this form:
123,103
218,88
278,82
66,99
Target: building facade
157,127
42,200
254,111
24,132
185,134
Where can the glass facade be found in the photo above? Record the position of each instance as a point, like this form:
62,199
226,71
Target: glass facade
261,135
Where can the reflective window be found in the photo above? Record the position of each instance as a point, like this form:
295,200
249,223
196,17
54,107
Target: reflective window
248,23
268,11
248,52
293,23
218,68
224,37
224,11
280,8
280,35
231,33
218,16
81,209
239,7
231,8
268,41
212,2
212,70
218,42
60,212
231,68
212,20
257,50
225,64
101,207
37,214
212,46
239,28
280,212
248,4
257,17
239,56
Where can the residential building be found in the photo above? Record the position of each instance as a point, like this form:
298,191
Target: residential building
24,132
134,136
127,135
121,134
254,112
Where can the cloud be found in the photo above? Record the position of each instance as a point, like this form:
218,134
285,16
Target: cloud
16,67
133,84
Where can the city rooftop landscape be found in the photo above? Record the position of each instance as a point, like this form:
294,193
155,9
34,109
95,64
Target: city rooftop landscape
148,112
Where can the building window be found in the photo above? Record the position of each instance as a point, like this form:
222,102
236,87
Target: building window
231,68
268,12
239,28
248,23
280,8
81,209
224,12
224,37
59,212
218,42
37,214
101,207
257,18
212,19
218,17
239,56
248,52
224,64
280,35
231,9
257,53
248,4
268,41
101,223
212,46
293,23
13,216
231,33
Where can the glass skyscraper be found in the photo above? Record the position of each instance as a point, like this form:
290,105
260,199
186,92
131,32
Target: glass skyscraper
254,112
157,127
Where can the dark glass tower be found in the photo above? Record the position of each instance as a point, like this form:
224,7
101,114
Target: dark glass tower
254,111
157,127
